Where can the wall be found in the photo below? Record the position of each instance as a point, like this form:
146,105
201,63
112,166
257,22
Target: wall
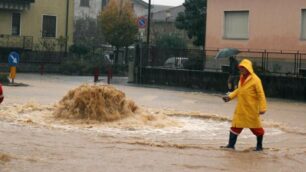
92,11
275,86
273,24
5,20
140,10
95,8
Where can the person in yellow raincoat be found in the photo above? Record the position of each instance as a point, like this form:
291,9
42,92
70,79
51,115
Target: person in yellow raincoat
12,73
251,104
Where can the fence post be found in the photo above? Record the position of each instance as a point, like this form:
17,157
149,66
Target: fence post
294,68
263,60
267,61
300,61
140,62
42,68
23,42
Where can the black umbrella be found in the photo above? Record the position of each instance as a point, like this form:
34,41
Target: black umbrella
227,52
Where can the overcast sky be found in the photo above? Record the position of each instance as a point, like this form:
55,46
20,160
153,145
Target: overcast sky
167,2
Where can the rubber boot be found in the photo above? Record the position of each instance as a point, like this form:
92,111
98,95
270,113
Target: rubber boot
231,142
259,143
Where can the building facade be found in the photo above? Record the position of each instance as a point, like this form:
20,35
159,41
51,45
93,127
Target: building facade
88,8
140,7
92,8
256,25
34,24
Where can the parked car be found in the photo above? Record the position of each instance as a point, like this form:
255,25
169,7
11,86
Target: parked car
108,59
175,62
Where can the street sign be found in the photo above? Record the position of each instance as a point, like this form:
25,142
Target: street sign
141,22
13,58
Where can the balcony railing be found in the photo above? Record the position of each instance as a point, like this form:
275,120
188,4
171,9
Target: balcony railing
17,42
15,4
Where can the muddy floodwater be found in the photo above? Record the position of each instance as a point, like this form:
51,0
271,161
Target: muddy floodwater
45,126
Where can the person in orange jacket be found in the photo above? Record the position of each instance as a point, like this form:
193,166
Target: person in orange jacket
251,104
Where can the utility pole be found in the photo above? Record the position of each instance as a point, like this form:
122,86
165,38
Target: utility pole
66,28
148,30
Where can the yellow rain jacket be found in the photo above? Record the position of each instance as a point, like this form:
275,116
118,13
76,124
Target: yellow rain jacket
12,72
251,100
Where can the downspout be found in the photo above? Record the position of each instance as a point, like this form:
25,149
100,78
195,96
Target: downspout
148,33
66,29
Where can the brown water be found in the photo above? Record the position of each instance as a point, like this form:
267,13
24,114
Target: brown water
95,102
169,131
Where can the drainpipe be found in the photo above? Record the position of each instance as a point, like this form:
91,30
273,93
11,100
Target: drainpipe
66,29
148,33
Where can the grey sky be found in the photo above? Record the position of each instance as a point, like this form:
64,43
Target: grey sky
167,2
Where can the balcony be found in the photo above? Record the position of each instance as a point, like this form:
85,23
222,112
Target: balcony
15,4
16,42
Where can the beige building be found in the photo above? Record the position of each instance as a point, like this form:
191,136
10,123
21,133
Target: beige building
257,24
36,24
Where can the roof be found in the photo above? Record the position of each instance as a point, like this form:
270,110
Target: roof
141,3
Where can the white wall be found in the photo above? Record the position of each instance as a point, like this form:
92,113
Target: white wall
140,10
92,11
95,7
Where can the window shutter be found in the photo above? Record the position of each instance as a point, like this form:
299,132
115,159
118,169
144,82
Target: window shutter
236,24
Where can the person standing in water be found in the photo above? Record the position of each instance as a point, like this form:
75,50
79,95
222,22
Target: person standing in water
251,104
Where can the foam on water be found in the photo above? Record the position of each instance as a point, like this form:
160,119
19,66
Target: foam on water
190,128
148,123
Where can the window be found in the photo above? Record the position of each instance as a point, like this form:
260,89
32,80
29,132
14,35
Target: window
303,33
104,3
49,26
84,3
236,24
16,24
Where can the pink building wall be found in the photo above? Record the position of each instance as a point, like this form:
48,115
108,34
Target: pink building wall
273,24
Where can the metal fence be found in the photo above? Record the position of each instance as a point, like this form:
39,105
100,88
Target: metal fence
17,42
36,57
272,62
171,58
44,57
264,62
283,74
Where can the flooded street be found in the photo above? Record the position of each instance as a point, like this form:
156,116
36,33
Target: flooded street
172,130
